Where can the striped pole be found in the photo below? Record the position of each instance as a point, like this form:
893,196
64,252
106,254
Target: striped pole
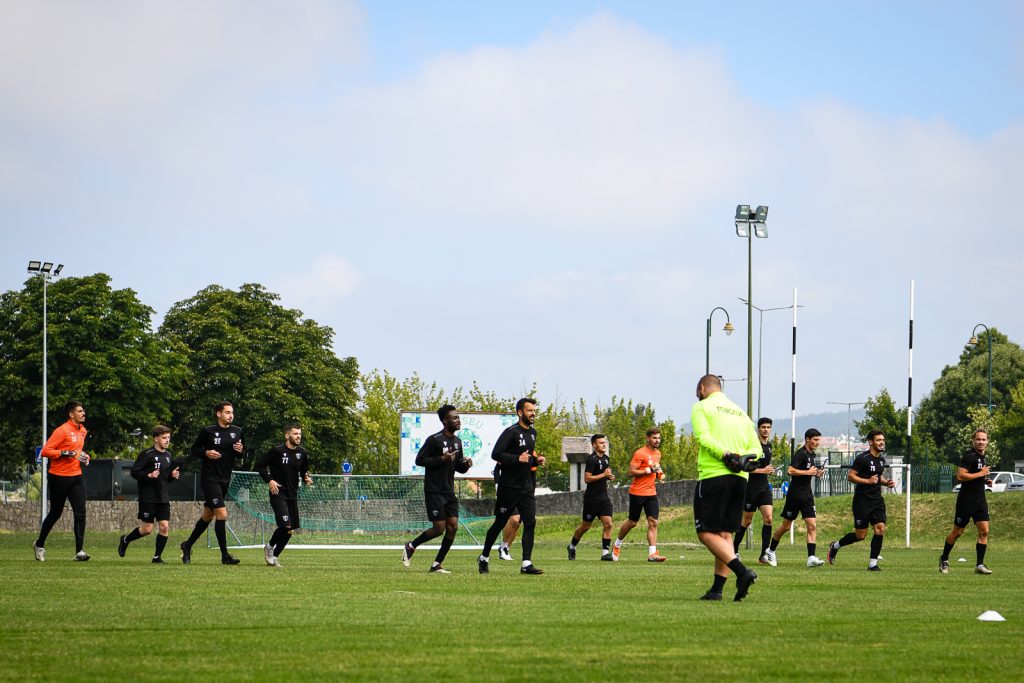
792,412
910,404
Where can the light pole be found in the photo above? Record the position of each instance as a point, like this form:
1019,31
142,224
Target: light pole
849,405
750,224
973,341
43,270
707,342
760,343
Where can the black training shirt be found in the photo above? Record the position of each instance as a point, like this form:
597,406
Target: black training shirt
803,459
596,465
760,481
222,440
284,465
439,475
153,490
866,466
507,449
973,462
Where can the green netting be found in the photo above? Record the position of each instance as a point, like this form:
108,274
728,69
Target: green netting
338,509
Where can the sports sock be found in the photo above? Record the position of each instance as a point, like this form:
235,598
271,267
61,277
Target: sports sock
848,539
873,562
606,544
946,550
738,538
618,542
285,537
79,529
201,526
737,567
422,538
446,545
766,536
527,563
876,546
652,550
133,535
812,549
574,542
979,549
718,584
275,537
773,545
161,543
221,531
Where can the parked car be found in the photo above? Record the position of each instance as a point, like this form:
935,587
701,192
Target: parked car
1001,482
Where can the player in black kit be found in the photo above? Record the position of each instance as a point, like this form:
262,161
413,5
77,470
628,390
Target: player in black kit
759,493
970,502
515,450
440,457
596,503
217,447
800,499
868,473
281,467
153,469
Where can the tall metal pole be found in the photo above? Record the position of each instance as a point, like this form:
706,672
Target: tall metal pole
707,350
910,378
43,484
750,321
988,337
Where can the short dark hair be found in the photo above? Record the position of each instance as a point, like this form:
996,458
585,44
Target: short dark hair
292,425
521,403
595,437
811,433
651,431
443,411
160,430
764,421
70,407
875,432
221,406
979,431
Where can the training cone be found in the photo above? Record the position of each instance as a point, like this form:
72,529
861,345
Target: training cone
991,615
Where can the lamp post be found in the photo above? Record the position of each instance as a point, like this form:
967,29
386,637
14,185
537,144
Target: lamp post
707,342
750,224
973,341
849,405
44,270
760,343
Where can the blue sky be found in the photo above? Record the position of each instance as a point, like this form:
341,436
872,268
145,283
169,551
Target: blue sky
540,191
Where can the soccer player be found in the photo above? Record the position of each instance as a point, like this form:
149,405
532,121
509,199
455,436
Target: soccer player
759,493
867,472
153,469
516,451
64,477
596,502
440,457
645,467
511,530
217,447
800,500
281,467
728,450
970,502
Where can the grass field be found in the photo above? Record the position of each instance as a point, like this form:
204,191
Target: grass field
361,615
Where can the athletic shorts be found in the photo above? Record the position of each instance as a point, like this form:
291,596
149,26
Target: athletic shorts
598,507
799,505
646,504
868,512
154,512
756,497
215,494
516,502
286,512
968,510
441,506
718,503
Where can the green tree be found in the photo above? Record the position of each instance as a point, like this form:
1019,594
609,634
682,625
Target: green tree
978,417
881,413
1010,427
944,412
101,351
271,363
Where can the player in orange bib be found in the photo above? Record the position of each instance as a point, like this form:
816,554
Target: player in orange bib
64,451
645,467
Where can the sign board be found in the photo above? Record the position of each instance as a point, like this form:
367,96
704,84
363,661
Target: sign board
479,433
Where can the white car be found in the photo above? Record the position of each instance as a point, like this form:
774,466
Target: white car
1001,481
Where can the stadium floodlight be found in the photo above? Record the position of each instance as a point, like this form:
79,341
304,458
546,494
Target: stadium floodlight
34,266
60,267
750,224
47,267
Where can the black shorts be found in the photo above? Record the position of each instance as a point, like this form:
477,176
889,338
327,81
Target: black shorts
215,494
756,497
868,512
646,504
286,512
516,502
150,512
718,503
598,507
441,506
802,505
970,509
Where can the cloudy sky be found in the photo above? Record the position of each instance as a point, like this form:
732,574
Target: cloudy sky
540,192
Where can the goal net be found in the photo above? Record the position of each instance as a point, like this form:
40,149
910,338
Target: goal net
345,511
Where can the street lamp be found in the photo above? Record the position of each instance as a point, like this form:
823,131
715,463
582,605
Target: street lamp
973,341
43,270
750,224
760,343
849,405
707,344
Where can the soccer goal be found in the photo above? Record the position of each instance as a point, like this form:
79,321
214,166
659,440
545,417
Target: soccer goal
835,483
365,512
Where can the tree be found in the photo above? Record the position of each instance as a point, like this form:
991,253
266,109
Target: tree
101,352
881,413
1010,428
944,412
273,365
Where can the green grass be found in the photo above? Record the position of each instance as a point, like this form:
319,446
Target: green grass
362,616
